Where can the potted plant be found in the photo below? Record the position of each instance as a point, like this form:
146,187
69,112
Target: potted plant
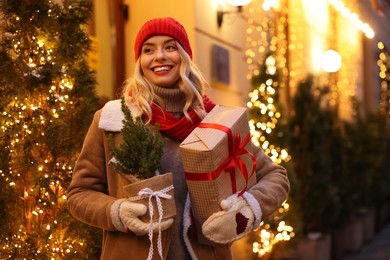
138,158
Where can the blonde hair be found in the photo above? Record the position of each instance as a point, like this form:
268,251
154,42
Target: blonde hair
139,91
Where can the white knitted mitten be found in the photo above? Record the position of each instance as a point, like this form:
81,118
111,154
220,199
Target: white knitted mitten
232,223
129,213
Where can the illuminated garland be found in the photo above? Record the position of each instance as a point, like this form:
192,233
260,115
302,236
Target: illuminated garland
265,37
29,117
266,34
353,18
37,134
384,75
269,234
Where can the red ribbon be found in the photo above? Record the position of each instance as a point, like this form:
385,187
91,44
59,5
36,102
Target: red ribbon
236,148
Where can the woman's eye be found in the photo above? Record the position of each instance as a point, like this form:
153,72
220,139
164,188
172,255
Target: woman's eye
147,50
171,47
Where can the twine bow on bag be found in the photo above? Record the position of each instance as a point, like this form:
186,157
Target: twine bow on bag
161,194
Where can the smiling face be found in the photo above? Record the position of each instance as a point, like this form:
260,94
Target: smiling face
160,61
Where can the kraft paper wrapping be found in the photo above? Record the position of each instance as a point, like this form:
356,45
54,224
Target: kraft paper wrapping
156,183
203,151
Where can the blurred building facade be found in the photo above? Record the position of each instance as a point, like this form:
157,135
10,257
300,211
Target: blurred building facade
298,32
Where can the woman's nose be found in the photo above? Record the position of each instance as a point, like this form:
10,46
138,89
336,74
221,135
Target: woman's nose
160,54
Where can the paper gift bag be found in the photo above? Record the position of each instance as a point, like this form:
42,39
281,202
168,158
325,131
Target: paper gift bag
149,192
218,161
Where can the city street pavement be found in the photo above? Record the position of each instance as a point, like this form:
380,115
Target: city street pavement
377,249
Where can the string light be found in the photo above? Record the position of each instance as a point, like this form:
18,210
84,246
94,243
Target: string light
268,238
266,34
383,63
353,18
33,172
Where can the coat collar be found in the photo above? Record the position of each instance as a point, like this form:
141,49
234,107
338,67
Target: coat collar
112,117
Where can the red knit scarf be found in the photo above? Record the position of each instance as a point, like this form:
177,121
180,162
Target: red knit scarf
178,129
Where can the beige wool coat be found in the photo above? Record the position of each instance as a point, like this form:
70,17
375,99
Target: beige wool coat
95,187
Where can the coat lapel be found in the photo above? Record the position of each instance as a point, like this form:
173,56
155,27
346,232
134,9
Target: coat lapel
112,117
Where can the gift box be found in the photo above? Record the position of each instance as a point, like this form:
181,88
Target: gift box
218,161
149,192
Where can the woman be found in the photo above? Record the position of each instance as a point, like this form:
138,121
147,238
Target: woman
167,89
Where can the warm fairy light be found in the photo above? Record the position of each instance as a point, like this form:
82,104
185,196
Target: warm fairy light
267,35
268,4
268,238
258,129
353,18
384,76
24,119
238,2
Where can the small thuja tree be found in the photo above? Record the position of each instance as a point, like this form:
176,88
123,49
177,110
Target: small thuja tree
47,102
140,151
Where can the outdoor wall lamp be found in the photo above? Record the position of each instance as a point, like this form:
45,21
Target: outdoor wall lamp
238,3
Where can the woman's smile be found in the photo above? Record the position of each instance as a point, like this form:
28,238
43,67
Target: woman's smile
160,61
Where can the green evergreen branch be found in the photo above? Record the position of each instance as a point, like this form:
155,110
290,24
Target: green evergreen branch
141,148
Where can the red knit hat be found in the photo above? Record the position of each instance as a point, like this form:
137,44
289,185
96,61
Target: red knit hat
162,26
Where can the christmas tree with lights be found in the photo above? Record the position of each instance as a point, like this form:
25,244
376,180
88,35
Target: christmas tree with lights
268,132
265,111
47,103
